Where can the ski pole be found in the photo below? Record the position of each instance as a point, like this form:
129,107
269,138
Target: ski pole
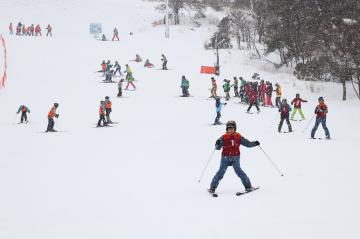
202,174
308,123
272,162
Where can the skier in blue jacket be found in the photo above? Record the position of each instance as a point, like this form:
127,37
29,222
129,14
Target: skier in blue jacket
218,106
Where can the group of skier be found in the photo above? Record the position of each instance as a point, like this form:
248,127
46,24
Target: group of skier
104,112
115,35
31,30
255,94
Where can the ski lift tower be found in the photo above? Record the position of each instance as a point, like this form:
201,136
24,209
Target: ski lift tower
217,67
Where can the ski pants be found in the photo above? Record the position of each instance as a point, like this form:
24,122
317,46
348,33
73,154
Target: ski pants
217,119
227,97
164,67
102,118
323,124
213,92
23,117
50,124
185,91
116,36
251,105
47,34
118,70
296,110
284,117
236,91
119,93
268,100
227,161
108,111
130,83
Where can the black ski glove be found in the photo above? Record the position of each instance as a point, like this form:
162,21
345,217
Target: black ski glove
57,115
256,143
218,144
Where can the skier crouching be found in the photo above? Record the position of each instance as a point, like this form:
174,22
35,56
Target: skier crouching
230,143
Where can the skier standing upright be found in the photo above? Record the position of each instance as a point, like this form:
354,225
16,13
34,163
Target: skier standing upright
297,106
252,95
120,88
117,68
230,143
129,77
185,87
102,115
116,34
236,87
23,109
278,95
226,87
49,30
52,113
108,106
213,88
218,106
321,111
164,60
284,110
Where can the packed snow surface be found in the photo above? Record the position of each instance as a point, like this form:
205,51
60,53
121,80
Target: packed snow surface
139,179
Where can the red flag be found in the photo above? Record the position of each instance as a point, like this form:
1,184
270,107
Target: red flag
208,70
3,77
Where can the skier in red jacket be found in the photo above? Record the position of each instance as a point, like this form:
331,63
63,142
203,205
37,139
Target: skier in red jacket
230,143
297,106
321,110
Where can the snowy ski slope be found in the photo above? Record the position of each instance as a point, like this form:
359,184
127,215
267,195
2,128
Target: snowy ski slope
138,179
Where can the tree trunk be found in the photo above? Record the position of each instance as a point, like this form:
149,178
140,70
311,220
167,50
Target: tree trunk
344,89
176,16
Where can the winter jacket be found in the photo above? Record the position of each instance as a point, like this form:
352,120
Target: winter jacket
108,104
102,110
284,110
278,91
184,83
52,113
23,108
230,143
128,70
321,110
218,106
226,86
297,102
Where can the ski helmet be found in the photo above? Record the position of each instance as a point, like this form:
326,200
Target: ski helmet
321,98
297,95
231,124
284,100
107,97
56,104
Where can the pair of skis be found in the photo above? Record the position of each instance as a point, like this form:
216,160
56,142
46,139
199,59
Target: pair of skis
238,193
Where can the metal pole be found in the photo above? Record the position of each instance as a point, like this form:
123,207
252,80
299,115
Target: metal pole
202,173
309,123
267,156
167,20
217,69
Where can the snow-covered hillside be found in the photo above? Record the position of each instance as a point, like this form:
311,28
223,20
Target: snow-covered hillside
138,179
